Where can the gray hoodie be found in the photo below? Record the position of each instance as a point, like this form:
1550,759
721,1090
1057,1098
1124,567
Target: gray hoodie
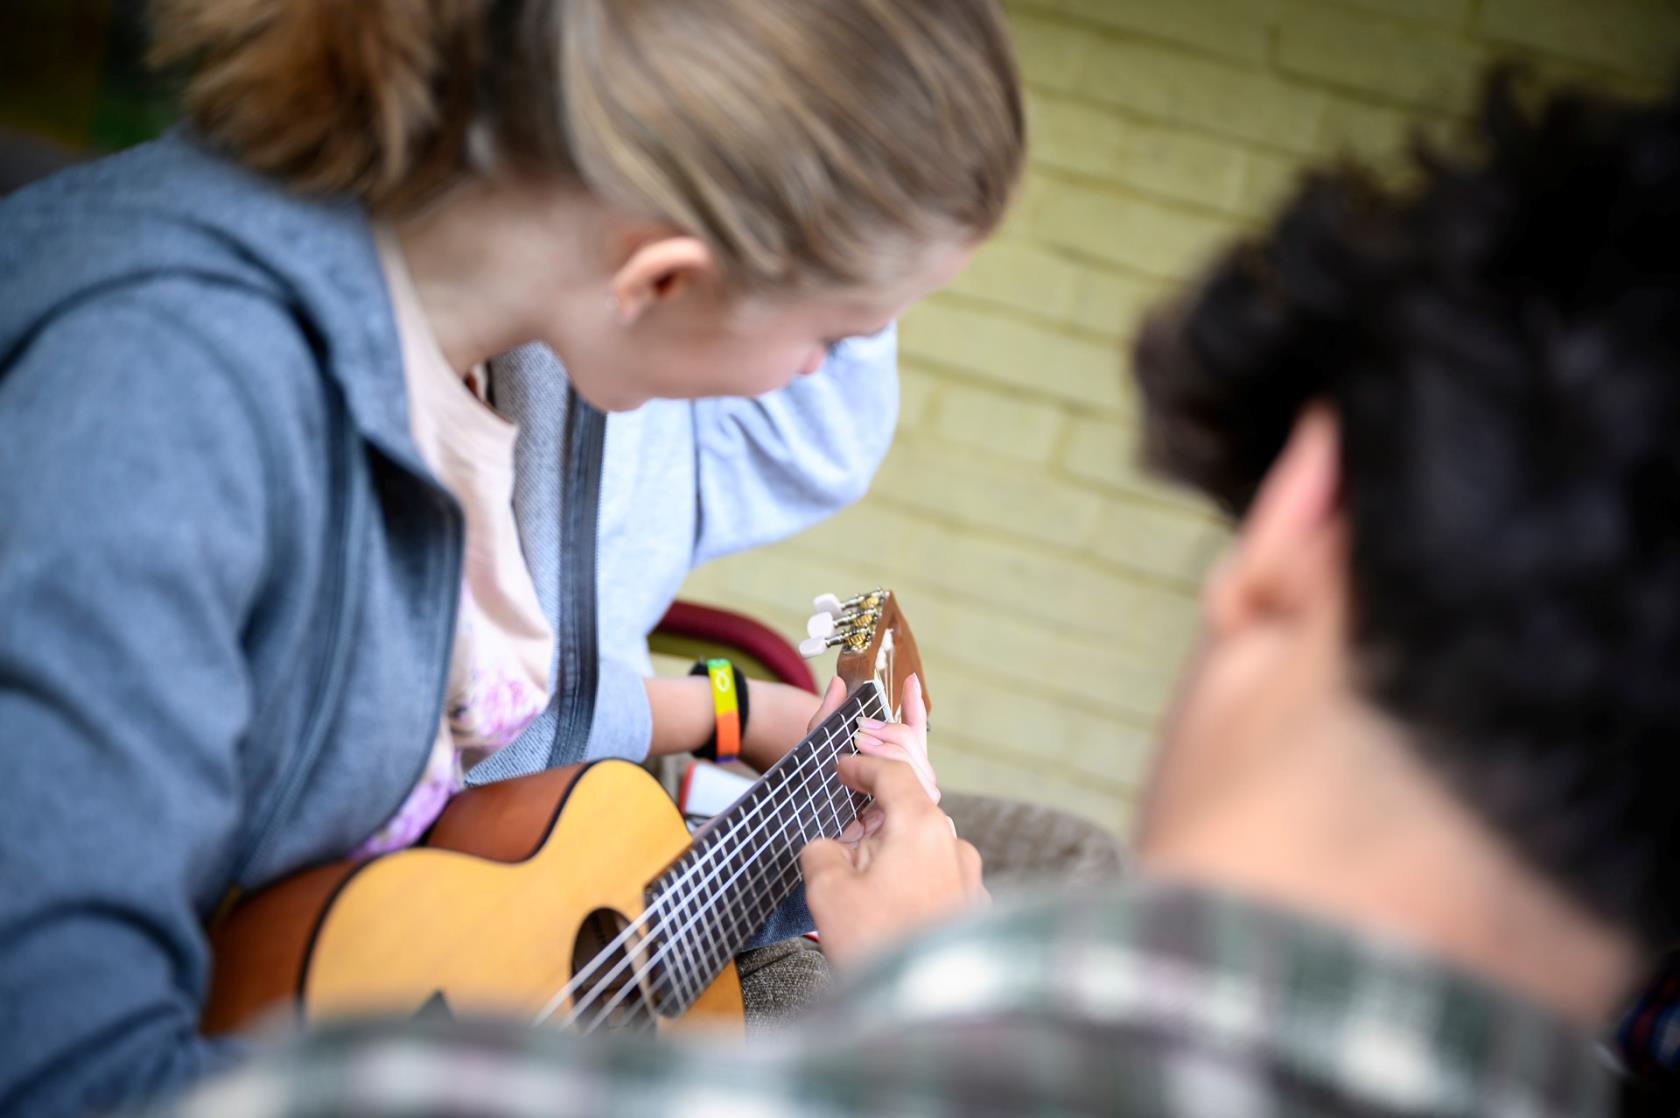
227,593
685,482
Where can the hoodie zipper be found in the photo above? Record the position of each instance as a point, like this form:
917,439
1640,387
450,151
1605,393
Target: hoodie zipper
580,462
343,594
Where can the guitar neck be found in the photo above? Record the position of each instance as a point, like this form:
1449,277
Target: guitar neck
745,861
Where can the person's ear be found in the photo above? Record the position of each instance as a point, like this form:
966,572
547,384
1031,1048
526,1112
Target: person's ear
659,270
1290,548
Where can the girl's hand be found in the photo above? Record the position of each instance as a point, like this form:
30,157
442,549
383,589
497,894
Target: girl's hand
898,741
903,741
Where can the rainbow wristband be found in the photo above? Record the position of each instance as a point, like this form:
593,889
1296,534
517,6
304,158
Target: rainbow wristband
729,708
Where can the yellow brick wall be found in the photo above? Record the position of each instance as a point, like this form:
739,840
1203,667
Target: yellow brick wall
1053,589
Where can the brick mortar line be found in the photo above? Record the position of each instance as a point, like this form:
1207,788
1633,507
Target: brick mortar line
1173,203
1507,50
1060,326
1136,118
1266,68
1094,260
1442,115
1012,392
1284,78
1188,504
1466,28
1139,490
966,375
1116,33
1086,180
1058,551
1084,555
1020,236
1271,65
1184,592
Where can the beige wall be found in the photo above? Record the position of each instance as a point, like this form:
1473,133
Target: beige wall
1052,588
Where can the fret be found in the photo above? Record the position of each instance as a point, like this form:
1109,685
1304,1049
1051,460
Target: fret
682,962
745,862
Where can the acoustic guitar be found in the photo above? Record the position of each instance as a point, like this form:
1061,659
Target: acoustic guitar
574,896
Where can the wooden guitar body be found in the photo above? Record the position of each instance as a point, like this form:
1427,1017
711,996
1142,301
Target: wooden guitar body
530,898
519,884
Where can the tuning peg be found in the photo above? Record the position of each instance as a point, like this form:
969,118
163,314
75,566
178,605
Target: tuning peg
853,640
829,604
834,607
820,625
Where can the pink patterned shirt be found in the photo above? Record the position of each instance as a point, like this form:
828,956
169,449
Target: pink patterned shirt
498,671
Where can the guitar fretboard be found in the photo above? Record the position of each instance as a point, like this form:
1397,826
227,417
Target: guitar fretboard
745,862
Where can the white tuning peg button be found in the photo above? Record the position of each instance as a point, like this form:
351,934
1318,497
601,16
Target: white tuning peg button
827,603
812,646
820,625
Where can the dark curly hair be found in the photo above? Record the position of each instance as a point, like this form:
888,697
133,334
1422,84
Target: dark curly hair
1500,341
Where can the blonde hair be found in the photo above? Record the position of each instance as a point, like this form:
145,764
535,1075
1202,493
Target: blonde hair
808,142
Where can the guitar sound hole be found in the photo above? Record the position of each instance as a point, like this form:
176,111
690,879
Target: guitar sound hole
622,986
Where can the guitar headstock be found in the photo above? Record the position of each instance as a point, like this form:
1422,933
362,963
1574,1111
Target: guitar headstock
874,640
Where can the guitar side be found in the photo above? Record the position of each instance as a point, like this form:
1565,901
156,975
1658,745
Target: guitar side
484,917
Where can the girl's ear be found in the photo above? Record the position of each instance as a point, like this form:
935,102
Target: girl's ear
659,270
1290,545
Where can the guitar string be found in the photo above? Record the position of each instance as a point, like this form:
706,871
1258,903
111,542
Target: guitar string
825,783
733,843
820,774
671,897
765,799
634,982
749,896
688,906
675,900
756,868
781,871
841,720
672,941
759,870
724,850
